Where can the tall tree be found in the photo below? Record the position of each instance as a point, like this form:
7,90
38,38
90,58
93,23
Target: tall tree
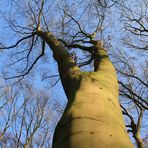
92,100
93,116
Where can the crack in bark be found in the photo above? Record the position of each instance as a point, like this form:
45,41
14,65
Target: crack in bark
80,117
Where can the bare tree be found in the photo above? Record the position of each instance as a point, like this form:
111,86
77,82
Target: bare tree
133,94
75,38
135,22
26,117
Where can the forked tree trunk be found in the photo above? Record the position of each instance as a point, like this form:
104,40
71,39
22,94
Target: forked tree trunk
92,118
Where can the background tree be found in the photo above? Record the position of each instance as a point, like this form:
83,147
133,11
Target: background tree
25,116
134,87
134,20
133,94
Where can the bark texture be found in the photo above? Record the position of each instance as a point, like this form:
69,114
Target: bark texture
92,118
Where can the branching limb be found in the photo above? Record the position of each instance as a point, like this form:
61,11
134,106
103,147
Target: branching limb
21,76
134,76
140,101
134,128
84,48
78,24
40,14
89,61
18,42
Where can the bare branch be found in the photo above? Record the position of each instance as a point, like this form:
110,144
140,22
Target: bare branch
32,65
40,14
18,42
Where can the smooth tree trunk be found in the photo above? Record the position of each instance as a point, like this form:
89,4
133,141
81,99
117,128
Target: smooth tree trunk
93,117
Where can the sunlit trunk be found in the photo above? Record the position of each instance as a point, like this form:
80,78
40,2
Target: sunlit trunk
92,118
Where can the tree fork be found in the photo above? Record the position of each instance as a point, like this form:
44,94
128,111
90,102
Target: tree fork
92,117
